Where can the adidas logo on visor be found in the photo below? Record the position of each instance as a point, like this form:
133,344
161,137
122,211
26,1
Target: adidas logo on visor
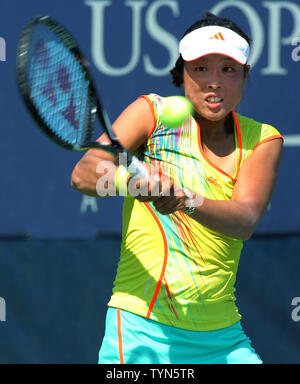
218,36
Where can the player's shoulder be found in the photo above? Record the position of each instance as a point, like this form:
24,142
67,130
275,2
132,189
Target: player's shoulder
155,99
247,122
253,132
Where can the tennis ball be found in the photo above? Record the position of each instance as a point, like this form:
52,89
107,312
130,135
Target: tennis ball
175,110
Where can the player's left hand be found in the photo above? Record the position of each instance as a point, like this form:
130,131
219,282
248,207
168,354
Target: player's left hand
170,200
166,196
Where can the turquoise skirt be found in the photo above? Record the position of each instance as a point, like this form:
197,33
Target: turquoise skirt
133,339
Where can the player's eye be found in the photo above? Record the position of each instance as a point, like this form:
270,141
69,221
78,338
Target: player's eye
228,69
200,69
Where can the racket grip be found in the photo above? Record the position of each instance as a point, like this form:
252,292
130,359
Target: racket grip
136,168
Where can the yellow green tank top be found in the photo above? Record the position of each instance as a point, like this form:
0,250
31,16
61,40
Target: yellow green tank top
172,269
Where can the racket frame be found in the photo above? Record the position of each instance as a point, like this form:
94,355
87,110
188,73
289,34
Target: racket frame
97,110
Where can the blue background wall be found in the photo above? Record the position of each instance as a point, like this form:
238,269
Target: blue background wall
56,293
57,280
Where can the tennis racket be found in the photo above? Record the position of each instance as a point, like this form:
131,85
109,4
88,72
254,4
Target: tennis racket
58,90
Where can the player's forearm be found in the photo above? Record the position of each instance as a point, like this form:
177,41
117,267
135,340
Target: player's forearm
232,218
93,176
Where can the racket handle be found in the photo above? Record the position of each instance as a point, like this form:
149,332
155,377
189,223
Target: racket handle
136,168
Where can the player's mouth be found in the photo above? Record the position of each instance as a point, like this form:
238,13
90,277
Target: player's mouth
213,101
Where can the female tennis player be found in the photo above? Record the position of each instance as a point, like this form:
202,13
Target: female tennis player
173,298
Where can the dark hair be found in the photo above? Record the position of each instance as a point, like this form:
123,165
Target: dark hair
209,19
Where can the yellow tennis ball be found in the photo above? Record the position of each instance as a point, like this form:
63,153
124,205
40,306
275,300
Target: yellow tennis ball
175,110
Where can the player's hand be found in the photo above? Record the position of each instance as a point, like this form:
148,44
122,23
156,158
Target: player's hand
170,200
166,196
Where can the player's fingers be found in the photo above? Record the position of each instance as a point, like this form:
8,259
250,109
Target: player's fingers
166,210
168,204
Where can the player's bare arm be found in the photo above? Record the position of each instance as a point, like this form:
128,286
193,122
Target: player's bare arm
132,128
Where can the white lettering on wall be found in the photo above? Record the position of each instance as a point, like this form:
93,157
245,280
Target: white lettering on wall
2,49
88,202
161,36
144,16
275,39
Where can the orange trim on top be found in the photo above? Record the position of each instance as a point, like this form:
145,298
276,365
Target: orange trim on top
269,139
162,274
153,114
239,144
120,336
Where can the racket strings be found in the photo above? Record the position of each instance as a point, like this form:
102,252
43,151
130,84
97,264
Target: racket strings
59,87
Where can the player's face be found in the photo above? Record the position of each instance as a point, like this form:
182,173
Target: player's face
214,84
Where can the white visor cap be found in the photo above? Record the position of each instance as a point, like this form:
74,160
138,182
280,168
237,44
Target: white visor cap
214,40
